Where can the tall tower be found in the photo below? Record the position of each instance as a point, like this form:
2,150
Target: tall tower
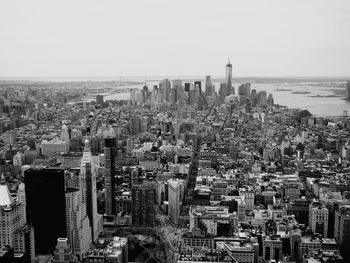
228,78
78,224
88,174
208,86
110,154
46,206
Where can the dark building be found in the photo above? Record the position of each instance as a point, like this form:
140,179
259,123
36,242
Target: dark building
143,201
300,208
110,155
198,85
187,87
46,207
135,126
99,99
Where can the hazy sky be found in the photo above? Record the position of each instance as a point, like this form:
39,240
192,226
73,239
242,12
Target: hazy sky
169,38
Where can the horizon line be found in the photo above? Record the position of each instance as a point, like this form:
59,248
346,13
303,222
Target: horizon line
87,78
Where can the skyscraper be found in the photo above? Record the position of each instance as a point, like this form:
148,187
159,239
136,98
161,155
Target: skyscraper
175,196
135,125
14,231
88,173
46,206
143,197
99,99
77,222
342,229
65,134
198,87
110,154
63,252
347,90
166,88
208,86
228,78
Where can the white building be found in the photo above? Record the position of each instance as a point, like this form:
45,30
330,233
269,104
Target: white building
175,197
14,231
18,159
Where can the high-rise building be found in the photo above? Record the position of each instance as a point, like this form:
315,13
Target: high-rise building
133,96
193,95
135,125
223,90
318,219
143,201
208,86
228,78
110,155
99,99
14,231
88,174
342,230
347,90
270,100
46,206
77,222
262,98
198,87
175,197
129,146
63,252
166,86
174,95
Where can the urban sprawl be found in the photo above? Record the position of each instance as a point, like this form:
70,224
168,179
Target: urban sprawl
181,172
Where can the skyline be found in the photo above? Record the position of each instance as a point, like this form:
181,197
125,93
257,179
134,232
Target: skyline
166,38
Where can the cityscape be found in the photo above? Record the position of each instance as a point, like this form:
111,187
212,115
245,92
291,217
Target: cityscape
179,172
174,131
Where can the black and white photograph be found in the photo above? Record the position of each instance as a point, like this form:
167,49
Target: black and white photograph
174,131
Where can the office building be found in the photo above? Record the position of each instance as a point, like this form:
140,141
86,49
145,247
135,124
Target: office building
46,206
175,197
49,148
228,79
110,153
135,125
262,98
213,220
347,90
133,96
99,99
88,174
174,95
63,251
143,201
342,229
77,222
65,134
166,86
110,250
198,87
318,219
208,86
14,231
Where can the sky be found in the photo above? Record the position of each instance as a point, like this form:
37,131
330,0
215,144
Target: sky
41,38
